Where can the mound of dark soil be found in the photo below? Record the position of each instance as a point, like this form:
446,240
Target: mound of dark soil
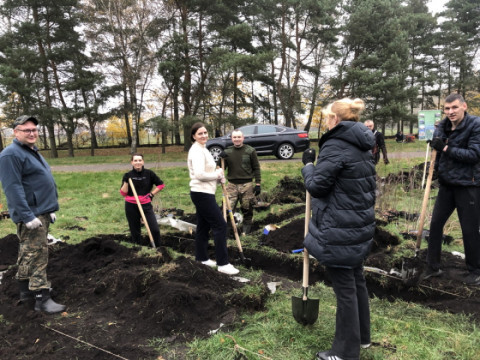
8,251
447,293
117,301
288,190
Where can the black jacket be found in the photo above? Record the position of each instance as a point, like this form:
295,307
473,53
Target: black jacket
460,164
143,181
342,186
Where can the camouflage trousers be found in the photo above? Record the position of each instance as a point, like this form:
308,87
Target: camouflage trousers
242,194
33,254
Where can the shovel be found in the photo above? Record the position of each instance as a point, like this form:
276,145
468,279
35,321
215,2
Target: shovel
410,272
421,222
140,208
224,206
305,310
246,261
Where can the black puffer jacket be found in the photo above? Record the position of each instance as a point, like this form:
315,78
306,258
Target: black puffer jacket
342,186
460,164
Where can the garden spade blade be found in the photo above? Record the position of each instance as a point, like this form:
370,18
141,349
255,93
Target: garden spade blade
305,310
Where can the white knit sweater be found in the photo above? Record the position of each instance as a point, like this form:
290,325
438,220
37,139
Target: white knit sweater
202,169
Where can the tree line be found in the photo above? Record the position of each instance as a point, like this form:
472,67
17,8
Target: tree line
163,64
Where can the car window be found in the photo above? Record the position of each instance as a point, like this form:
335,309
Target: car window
265,129
248,130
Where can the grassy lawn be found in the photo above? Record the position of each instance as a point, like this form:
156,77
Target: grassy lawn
91,205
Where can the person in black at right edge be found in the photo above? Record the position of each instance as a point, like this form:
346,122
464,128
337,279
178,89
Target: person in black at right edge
457,141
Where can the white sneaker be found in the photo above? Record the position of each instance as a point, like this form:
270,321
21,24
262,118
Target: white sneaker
228,269
210,263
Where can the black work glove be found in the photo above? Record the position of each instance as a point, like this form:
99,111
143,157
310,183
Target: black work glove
257,190
308,156
385,160
150,195
437,143
223,155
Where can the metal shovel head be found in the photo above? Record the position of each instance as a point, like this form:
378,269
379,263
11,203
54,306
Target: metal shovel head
305,312
247,262
411,272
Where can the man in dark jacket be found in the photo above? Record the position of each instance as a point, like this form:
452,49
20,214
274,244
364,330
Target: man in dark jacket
32,200
379,144
457,141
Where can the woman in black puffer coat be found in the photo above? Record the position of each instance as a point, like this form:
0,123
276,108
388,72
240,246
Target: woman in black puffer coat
342,186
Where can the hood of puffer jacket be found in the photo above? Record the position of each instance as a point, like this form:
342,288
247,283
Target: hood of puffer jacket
352,132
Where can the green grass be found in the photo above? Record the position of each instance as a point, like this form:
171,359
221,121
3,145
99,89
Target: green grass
399,331
91,205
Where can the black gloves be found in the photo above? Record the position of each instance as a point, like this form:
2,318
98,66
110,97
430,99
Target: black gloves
386,161
308,156
257,190
150,195
437,143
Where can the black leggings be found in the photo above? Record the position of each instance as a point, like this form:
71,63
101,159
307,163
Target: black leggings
209,217
133,216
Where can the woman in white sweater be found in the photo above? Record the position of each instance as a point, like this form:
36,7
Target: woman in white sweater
204,178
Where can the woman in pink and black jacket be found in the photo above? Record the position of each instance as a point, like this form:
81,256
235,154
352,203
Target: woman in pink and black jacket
143,181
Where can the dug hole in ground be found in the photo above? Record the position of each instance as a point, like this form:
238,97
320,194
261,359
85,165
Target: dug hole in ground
119,299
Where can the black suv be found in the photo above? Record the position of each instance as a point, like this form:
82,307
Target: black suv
276,140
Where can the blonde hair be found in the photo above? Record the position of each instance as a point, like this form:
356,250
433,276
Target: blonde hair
346,109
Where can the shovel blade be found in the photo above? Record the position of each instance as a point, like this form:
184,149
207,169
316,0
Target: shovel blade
305,312
247,262
412,269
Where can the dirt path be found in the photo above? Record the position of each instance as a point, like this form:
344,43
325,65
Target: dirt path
156,165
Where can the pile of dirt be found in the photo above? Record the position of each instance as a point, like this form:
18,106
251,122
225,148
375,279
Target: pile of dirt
288,190
8,251
117,300
288,237
446,293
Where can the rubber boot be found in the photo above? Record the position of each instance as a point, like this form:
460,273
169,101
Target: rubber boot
43,302
25,293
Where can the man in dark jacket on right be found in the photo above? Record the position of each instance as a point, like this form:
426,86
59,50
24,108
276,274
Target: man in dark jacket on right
457,141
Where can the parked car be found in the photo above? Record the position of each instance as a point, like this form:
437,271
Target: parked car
276,140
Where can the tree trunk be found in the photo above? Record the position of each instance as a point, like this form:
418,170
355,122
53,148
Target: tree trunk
46,85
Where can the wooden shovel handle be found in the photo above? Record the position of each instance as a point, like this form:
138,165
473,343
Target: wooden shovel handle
224,206
306,260
232,220
140,208
421,222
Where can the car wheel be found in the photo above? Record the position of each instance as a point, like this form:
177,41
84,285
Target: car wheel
285,151
215,151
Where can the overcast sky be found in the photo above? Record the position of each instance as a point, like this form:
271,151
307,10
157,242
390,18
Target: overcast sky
436,5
